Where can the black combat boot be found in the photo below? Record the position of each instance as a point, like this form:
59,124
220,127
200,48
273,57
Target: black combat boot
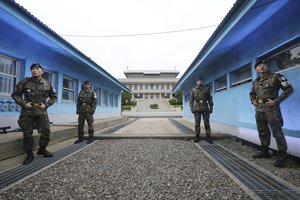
197,138
264,153
44,152
80,139
281,160
208,138
91,138
29,158
197,131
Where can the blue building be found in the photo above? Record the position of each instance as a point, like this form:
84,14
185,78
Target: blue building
252,30
25,40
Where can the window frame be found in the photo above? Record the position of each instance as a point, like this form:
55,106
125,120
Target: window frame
15,76
241,69
69,90
270,56
224,77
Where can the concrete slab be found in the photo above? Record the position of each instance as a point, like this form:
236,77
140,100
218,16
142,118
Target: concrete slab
11,144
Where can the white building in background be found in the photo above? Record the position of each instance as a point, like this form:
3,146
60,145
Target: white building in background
150,84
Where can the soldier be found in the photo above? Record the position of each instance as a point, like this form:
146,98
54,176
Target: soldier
264,96
86,106
200,97
36,91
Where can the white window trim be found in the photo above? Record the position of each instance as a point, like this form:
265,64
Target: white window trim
69,90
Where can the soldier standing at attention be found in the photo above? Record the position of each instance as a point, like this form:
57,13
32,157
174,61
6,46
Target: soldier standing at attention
35,102
86,106
200,97
264,96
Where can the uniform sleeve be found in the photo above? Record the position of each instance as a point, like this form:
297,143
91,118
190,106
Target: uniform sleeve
52,96
17,94
210,99
94,102
252,94
191,99
287,88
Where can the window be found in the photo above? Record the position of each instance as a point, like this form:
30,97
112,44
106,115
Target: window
116,100
104,98
98,92
135,87
8,75
68,90
111,99
242,75
49,76
285,60
221,83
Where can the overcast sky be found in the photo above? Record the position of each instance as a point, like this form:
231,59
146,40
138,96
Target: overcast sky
129,17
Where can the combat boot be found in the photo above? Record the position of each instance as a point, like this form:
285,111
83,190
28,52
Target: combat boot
197,138
91,139
44,152
29,158
264,153
79,140
208,138
197,131
281,160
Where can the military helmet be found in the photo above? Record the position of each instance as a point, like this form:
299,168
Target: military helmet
36,65
199,78
259,62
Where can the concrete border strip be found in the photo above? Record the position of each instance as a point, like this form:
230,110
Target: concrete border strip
238,182
262,169
44,168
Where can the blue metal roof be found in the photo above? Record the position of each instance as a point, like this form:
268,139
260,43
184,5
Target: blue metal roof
243,18
19,18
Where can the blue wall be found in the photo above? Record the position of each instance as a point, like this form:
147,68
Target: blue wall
232,106
26,49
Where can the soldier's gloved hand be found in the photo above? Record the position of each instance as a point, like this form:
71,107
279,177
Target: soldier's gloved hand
42,106
28,105
255,103
77,113
210,110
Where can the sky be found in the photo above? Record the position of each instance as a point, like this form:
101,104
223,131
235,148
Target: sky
92,26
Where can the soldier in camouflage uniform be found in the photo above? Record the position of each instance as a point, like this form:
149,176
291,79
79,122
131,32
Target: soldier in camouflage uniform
264,96
86,106
200,98
38,94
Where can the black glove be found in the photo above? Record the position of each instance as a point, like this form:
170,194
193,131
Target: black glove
210,110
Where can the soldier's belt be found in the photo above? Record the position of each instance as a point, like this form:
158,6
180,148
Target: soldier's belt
200,101
86,104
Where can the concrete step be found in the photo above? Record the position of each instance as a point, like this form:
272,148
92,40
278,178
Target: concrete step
11,144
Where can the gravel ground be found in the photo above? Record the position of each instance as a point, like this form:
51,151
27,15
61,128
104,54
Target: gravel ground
131,169
290,174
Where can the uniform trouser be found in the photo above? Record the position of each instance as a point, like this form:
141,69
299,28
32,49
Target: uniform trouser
271,119
205,116
28,123
89,119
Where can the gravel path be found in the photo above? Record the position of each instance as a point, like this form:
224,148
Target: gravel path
290,174
131,169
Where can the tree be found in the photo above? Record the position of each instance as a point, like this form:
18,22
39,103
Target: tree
178,96
126,96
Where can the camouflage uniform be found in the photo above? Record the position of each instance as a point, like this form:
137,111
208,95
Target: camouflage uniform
200,97
37,92
267,88
86,106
